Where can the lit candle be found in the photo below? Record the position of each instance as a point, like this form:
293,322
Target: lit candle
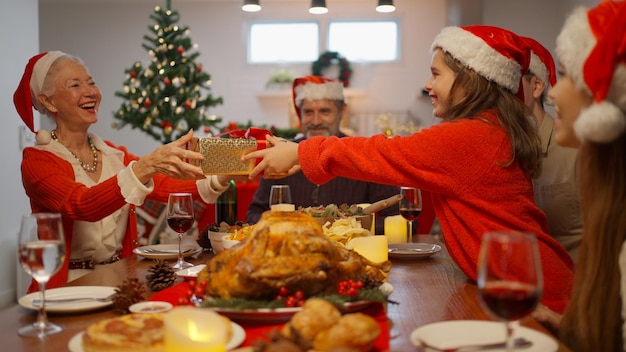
396,229
373,248
193,329
283,207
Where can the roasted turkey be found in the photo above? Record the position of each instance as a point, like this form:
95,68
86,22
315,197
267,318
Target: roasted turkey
286,250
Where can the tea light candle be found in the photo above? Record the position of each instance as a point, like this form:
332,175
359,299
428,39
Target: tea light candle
283,207
193,329
373,248
396,229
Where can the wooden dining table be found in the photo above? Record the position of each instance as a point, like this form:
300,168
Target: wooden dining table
426,290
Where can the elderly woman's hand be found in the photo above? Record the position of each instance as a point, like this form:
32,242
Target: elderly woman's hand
281,158
170,160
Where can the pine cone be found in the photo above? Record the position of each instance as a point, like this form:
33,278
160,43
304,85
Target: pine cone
161,276
128,293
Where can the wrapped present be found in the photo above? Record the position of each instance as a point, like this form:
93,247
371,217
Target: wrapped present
222,153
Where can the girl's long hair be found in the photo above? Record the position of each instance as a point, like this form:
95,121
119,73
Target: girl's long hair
593,321
473,94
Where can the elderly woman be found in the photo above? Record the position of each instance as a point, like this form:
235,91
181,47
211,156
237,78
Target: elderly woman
590,100
94,184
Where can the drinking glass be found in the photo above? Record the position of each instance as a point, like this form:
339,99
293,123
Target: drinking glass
41,250
279,194
410,207
510,279
180,219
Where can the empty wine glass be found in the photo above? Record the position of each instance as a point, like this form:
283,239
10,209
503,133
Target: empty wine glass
41,250
410,207
280,198
180,219
510,280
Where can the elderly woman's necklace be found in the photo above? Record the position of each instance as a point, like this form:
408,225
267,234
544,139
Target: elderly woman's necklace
85,167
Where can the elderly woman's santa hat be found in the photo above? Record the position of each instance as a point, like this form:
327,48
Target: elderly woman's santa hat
25,96
495,53
592,49
315,88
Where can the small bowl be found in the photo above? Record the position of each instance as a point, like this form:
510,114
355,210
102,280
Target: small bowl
228,243
216,240
150,307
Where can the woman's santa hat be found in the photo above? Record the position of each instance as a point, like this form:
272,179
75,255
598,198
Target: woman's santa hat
541,62
592,49
315,88
495,53
25,96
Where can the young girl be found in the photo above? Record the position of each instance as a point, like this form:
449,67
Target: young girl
477,163
590,99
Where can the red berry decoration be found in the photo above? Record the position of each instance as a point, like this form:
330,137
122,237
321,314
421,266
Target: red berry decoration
349,288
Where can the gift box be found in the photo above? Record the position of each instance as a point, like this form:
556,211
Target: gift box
222,154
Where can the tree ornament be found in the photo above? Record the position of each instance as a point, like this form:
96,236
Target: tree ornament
180,49
166,81
161,276
327,59
187,104
147,103
129,292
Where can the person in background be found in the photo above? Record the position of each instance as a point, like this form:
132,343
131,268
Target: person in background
94,184
556,192
477,163
590,101
320,104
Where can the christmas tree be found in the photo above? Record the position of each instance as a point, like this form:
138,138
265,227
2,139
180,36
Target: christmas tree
164,99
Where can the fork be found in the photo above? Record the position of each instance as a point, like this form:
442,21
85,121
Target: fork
519,342
37,301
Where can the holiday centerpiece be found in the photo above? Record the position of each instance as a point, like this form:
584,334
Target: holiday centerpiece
164,98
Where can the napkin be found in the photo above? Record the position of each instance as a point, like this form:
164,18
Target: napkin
256,331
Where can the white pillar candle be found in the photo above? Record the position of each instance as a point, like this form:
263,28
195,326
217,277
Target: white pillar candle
192,329
396,229
283,207
374,248
373,228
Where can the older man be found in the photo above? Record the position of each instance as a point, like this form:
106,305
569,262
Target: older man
319,104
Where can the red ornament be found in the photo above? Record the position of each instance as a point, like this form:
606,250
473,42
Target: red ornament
133,74
207,129
166,81
232,126
187,104
180,49
199,68
147,103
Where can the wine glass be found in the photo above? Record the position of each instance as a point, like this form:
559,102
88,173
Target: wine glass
510,280
41,250
180,219
280,194
410,207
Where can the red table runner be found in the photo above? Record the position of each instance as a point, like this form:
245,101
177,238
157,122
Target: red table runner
255,331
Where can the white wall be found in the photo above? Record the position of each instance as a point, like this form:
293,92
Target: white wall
107,34
19,37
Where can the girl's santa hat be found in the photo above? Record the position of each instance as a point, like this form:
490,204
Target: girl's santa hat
25,96
495,53
541,62
315,88
592,49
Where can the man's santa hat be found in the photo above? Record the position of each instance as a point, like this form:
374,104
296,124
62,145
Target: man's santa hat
592,49
25,96
541,62
495,53
315,88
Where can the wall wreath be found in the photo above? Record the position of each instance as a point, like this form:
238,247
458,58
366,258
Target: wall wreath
327,59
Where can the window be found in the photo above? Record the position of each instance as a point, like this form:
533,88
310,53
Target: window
283,42
365,40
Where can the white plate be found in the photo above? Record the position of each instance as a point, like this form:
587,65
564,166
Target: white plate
278,315
412,250
191,272
239,335
453,333
71,292
150,307
166,251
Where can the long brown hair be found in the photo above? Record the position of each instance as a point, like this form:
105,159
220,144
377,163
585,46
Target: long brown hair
593,321
473,94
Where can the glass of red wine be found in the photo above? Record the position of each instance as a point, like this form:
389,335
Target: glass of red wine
510,280
410,207
41,250
180,219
